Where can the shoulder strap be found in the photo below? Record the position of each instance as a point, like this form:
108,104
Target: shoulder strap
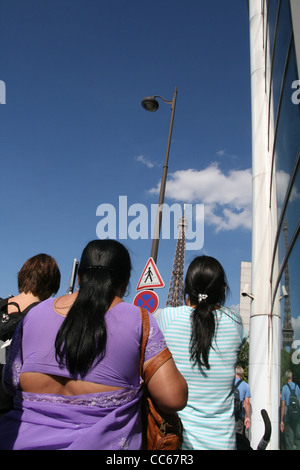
238,383
159,359
156,363
26,310
289,387
4,303
145,334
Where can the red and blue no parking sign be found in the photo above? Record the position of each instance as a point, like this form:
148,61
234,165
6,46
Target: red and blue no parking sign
147,299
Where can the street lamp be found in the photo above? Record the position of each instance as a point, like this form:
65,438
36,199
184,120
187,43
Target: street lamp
151,104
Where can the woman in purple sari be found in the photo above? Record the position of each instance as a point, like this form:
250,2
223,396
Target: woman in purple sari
73,365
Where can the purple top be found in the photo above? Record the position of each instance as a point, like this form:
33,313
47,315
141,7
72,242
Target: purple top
119,367
107,420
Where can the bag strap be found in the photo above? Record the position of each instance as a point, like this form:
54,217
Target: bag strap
291,389
238,383
145,334
159,359
26,310
5,304
156,363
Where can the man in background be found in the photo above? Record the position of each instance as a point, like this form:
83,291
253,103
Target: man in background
290,413
243,419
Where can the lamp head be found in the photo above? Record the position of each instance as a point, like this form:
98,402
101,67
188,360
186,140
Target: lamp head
150,104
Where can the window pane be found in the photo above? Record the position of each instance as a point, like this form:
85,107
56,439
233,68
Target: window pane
283,37
288,134
290,314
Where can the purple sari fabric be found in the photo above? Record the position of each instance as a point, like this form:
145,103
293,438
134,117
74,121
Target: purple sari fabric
107,420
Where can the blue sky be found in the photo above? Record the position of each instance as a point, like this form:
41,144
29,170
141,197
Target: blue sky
74,135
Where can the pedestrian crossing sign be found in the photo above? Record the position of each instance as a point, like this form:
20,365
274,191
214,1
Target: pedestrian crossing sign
150,278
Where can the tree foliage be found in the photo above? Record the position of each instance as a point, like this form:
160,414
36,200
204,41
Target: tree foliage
243,360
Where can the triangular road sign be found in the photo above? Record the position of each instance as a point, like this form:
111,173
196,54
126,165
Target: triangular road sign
150,277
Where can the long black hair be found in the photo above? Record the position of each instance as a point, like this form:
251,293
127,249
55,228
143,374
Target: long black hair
206,287
103,273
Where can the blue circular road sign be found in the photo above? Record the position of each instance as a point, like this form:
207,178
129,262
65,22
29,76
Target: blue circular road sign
147,299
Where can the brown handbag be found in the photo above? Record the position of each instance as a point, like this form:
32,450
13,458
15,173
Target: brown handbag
161,431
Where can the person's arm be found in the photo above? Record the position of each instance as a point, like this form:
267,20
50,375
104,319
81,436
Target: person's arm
246,405
283,411
168,387
165,383
298,393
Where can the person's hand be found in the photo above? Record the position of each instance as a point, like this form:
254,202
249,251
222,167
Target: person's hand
281,426
247,423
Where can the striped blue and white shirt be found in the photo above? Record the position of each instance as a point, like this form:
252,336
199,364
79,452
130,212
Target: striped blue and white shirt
208,418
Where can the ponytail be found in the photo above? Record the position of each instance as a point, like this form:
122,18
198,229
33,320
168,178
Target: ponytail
104,272
203,330
206,287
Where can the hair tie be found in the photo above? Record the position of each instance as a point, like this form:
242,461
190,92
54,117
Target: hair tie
202,297
99,267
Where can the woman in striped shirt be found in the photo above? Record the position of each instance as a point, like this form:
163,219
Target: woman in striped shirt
205,338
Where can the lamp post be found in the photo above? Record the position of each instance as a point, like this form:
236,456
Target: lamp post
151,104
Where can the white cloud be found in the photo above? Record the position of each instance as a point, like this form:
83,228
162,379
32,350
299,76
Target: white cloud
283,180
235,307
146,161
227,197
224,153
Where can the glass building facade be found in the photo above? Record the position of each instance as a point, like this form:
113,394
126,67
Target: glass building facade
278,107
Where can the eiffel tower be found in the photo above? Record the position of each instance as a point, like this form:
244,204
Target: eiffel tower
176,289
287,329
